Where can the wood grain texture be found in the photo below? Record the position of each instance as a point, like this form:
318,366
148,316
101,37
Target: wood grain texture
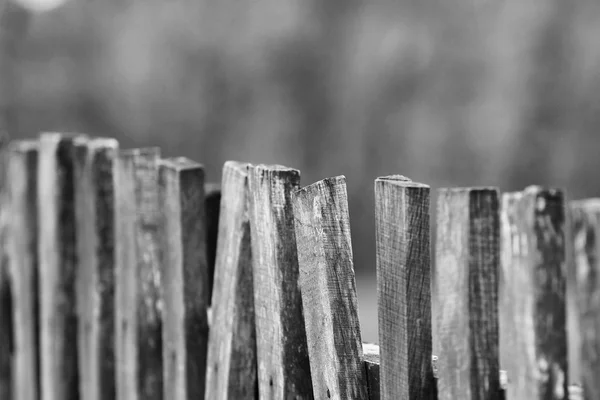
212,205
231,367
328,289
282,353
94,204
372,362
403,287
185,283
583,286
466,316
22,251
138,327
6,306
533,342
57,266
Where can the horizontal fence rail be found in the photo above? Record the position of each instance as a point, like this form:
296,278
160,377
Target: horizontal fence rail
126,275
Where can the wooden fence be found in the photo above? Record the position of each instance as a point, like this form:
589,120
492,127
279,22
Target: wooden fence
131,278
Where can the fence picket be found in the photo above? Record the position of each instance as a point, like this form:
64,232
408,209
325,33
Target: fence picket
212,205
328,289
138,329
403,287
282,353
533,342
184,276
57,267
22,251
231,366
466,290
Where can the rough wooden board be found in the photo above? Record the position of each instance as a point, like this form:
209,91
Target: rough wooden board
583,286
57,267
371,363
212,206
231,366
138,329
22,250
466,319
328,289
185,282
533,343
94,194
403,287
282,354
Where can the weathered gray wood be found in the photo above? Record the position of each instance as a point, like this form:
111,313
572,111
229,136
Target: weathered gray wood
57,267
282,353
583,289
22,251
533,342
372,362
212,205
328,289
185,283
466,316
6,307
403,287
138,329
231,366
94,194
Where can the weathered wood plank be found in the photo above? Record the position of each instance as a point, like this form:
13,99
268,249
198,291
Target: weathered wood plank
328,289
185,284
22,251
372,362
94,194
212,205
403,287
57,267
583,293
282,353
466,316
138,329
533,342
6,306
231,366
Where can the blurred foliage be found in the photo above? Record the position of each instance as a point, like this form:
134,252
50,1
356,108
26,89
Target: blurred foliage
449,93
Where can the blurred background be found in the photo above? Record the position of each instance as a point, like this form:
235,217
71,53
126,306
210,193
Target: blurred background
446,92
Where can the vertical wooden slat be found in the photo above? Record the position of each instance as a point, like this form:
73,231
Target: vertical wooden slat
94,194
138,329
466,282
282,354
23,253
403,287
372,362
533,342
584,296
231,366
184,278
57,266
328,289
6,307
212,205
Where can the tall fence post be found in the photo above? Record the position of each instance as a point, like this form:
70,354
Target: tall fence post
22,251
138,329
403,288
583,285
282,354
184,278
231,367
57,267
466,287
328,289
94,198
533,340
